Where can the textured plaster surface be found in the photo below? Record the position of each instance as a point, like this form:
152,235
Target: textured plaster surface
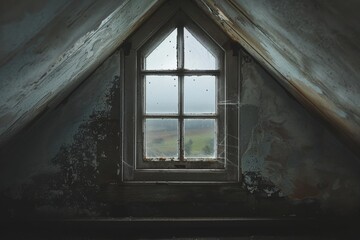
288,152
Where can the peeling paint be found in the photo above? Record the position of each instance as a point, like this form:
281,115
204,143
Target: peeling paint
296,42
70,61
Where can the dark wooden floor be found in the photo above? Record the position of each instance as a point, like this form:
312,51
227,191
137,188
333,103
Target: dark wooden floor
181,228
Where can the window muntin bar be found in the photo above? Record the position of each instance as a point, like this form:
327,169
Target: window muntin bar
183,72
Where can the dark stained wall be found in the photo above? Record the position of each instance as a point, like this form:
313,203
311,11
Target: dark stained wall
60,165
57,164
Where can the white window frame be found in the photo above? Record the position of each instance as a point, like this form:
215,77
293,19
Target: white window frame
171,15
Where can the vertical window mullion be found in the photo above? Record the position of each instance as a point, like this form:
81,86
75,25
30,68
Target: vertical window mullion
143,111
180,47
180,65
181,116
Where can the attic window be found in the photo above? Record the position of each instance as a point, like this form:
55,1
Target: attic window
179,111
177,75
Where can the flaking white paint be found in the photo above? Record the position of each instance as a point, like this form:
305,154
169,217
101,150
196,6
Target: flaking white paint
26,90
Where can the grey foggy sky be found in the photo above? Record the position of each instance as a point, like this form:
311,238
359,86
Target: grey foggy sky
162,94
162,91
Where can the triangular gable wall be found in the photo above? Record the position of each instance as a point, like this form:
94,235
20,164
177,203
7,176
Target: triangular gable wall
74,149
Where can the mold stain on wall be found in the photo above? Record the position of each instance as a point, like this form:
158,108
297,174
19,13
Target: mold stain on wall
81,137
82,164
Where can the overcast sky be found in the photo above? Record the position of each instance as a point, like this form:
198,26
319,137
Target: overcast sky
162,91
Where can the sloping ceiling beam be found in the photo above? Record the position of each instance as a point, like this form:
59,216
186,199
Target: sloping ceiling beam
36,78
310,46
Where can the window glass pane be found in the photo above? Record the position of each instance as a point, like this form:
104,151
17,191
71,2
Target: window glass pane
197,56
161,94
200,138
164,55
161,138
199,94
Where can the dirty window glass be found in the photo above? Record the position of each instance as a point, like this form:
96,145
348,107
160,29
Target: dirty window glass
161,94
200,138
161,137
197,56
164,55
199,94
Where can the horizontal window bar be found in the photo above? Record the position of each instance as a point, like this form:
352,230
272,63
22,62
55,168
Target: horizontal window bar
191,160
210,170
183,116
183,72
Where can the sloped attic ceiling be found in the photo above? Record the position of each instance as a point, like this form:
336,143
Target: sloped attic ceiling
49,47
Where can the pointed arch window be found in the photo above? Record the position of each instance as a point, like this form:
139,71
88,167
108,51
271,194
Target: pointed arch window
176,83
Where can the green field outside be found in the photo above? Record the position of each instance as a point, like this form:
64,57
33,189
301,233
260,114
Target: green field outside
198,143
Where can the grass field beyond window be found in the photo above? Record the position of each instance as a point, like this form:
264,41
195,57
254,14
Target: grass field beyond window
162,140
